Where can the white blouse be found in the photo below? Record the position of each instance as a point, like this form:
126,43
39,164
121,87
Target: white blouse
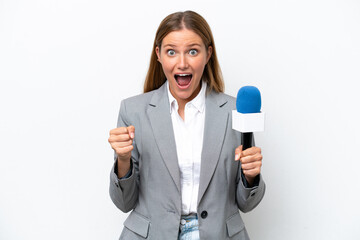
189,142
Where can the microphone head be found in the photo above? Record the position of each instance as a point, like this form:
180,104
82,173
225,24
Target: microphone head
248,100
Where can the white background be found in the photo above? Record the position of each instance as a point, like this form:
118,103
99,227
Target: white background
66,65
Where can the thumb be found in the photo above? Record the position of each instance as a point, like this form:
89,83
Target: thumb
131,131
238,151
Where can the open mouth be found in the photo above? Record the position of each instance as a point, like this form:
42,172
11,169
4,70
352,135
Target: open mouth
183,80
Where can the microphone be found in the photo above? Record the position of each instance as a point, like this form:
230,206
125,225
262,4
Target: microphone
247,118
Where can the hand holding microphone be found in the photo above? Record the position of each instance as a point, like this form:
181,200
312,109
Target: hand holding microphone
247,119
121,140
251,162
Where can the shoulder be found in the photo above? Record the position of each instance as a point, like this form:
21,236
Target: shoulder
134,108
137,105
138,100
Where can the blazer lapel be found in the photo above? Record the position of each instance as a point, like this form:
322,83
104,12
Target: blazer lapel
160,120
214,132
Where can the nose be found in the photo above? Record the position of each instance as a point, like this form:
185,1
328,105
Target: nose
182,62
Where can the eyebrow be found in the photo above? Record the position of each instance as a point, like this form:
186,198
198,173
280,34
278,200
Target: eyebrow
173,46
195,44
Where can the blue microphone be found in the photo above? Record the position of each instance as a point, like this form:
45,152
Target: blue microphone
248,100
248,117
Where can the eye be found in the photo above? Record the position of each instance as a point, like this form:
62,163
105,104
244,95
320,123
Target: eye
193,52
171,52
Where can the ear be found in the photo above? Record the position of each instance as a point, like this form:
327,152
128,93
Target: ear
157,50
209,53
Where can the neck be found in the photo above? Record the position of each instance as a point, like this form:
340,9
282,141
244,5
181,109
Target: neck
183,102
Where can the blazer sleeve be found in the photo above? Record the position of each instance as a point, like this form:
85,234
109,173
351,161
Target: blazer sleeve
124,192
248,198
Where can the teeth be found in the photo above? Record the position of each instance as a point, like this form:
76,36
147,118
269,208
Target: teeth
181,75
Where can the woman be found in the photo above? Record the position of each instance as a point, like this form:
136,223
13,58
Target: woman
178,165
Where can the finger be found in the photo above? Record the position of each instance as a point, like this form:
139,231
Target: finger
251,151
121,144
118,131
131,131
252,165
238,151
124,151
251,158
119,138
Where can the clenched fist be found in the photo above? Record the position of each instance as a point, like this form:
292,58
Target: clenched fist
121,140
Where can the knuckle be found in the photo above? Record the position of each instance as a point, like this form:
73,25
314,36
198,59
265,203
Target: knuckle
123,137
121,130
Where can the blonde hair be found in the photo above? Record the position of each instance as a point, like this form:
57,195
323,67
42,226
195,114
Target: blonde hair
190,20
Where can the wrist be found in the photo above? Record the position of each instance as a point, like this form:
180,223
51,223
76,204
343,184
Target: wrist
250,180
123,167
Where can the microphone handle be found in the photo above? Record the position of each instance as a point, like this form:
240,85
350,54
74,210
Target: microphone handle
247,140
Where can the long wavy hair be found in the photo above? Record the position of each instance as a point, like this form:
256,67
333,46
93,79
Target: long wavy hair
190,20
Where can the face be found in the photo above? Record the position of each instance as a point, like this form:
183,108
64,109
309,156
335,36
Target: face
183,57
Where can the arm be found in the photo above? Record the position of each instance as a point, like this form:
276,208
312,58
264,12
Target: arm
124,191
250,185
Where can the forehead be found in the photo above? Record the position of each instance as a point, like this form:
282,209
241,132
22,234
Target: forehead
182,37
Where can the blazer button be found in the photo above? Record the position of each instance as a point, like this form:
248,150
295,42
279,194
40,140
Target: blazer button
204,214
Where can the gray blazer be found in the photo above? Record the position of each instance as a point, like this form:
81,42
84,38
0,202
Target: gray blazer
153,190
